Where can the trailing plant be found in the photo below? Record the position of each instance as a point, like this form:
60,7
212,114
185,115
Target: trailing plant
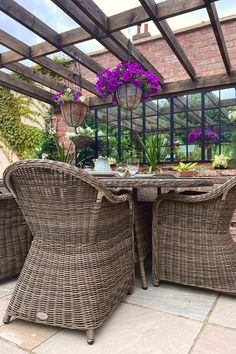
126,72
21,138
155,149
38,68
70,95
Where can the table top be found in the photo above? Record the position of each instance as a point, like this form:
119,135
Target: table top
139,182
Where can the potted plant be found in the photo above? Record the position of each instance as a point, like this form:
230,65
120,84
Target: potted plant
186,169
220,161
127,84
210,138
74,106
155,149
82,137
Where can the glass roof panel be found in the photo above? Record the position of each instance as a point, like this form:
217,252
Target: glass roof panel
49,13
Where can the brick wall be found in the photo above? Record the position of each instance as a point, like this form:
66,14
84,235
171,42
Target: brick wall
199,44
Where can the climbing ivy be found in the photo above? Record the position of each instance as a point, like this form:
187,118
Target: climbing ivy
38,68
21,138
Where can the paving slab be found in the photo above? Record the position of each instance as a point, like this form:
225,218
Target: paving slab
26,334
7,286
130,330
179,300
7,348
216,340
225,312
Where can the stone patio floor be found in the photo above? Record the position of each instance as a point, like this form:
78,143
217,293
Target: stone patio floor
168,319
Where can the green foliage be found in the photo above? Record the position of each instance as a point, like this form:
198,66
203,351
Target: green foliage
220,161
155,150
185,166
47,145
40,69
22,139
64,154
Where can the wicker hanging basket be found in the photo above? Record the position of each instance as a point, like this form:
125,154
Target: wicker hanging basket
82,142
74,113
129,96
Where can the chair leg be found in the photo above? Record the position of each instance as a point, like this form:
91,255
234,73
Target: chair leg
90,336
156,282
6,319
142,274
131,290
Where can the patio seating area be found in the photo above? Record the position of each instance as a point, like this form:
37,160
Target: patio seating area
117,177
167,319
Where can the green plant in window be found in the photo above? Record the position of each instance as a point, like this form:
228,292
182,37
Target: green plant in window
185,166
155,149
220,161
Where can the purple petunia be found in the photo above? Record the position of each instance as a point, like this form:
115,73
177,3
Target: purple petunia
196,135
125,72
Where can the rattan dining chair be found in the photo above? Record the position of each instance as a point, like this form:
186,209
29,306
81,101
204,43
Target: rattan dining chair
191,240
81,263
15,236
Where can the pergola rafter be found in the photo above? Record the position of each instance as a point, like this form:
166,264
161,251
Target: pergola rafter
167,33
95,24
25,88
215,22
89,16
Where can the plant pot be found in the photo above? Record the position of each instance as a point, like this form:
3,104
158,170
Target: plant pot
82,142
74,112
129,96
189,173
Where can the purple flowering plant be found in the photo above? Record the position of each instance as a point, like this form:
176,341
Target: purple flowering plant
196,135
126,72
70,95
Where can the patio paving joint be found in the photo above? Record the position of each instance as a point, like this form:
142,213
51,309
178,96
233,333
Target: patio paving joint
205,323
13,344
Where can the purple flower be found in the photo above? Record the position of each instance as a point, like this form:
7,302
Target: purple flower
56,96
110,80
75,96
196,136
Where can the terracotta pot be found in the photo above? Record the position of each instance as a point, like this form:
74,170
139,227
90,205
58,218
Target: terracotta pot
129,96
74,112
82,142
189,173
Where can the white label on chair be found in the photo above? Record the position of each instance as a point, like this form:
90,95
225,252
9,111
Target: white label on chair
42,316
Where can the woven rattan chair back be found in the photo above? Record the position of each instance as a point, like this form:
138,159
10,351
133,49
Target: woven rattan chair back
15,236
191,239
81,262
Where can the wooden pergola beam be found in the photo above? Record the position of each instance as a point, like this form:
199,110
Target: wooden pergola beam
152,9
25,88
44,61
116,22
166,9
89,16
215,22
66,73
171,89
25,18
36,76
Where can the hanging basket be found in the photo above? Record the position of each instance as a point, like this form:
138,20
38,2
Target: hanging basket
82,142
129,96
74,113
